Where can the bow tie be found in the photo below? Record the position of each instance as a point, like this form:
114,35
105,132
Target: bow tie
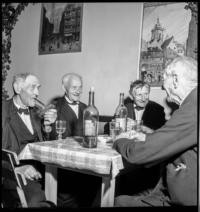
139,108
72,103
25,111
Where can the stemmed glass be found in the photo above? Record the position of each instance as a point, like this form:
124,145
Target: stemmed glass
60,128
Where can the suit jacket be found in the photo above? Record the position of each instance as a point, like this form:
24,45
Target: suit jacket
64,111
174,143
153,116
10,126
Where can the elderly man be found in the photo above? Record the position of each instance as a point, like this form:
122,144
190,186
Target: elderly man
152,115
21,125
174,145
69,106
71,189
141,108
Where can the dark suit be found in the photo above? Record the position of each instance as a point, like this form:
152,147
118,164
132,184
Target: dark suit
15,136
65,112
71,189
172,144
153,116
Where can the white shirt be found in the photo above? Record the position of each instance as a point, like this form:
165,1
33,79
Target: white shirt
138,113
25,118
73,107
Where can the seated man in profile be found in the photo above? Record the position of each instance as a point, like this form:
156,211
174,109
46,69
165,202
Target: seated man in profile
21,124
153,117
174,145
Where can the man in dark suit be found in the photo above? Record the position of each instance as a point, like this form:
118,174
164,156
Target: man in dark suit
72,185
152,114
141,108
174,145
69,107
21,124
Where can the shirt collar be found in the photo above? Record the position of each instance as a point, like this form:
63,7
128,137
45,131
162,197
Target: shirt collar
68,100
17,105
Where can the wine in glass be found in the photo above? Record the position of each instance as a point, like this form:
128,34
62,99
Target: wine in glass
60,128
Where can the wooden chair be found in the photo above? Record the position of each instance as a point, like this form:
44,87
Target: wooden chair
10,171
104,124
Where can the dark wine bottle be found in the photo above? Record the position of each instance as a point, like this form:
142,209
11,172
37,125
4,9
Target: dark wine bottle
90,122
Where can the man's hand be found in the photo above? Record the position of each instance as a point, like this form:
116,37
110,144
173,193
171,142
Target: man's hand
50,116
146,129
29,172
137,136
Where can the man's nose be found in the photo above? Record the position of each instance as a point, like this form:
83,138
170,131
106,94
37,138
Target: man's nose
36,92
144,98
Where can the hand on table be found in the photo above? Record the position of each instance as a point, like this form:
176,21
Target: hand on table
132,134
146,129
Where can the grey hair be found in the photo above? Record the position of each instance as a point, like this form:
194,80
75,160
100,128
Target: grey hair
138,84
189,70
20,77
67,77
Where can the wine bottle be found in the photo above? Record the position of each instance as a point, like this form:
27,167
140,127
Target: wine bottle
121,113
90,122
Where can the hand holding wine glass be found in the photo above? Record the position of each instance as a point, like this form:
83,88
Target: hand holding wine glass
60,128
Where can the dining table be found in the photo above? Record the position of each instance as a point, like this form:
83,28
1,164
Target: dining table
70,154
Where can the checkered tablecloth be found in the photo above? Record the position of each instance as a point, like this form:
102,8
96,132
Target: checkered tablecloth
70,153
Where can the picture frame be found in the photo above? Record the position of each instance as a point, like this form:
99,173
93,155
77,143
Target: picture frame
164,34
60,28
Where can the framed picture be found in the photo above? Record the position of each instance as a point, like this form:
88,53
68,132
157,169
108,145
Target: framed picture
164,35
60,28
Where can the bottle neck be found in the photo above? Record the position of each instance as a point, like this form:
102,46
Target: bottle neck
121,99
91,98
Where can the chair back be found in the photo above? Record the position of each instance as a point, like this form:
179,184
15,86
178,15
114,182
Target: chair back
9,171
104,124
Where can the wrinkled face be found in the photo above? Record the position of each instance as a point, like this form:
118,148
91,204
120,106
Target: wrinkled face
168,84
74,89
141,96
29,91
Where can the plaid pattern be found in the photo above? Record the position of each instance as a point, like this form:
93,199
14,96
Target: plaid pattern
70,153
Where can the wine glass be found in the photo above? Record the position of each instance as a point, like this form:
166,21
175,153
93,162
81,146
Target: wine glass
60,128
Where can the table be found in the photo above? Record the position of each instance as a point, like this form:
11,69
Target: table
69,153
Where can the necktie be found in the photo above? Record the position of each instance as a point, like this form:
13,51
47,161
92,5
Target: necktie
25,111
72,103
139,108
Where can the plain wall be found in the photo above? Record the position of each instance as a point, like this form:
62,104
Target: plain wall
108,60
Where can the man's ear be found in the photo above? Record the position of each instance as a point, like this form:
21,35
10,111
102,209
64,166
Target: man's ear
17,87
63,87
175,80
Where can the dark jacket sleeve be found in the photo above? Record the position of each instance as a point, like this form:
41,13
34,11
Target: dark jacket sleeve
176,136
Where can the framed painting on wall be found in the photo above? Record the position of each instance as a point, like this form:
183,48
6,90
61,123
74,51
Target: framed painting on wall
164,35
60,28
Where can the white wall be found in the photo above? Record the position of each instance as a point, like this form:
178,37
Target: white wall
108,60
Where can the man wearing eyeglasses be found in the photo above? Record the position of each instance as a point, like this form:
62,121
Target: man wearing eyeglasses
174,145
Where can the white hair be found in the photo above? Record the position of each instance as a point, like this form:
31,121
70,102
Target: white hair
188,69
68,77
